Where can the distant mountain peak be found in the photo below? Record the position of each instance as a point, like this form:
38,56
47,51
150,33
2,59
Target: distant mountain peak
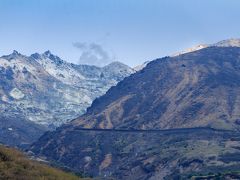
117,66
233,42
36,56
13,55
15,52
71,88
47,53
115,63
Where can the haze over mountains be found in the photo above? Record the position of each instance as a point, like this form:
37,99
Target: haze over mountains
177,117
43,91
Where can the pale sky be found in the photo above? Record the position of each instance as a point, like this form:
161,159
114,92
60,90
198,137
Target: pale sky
101,31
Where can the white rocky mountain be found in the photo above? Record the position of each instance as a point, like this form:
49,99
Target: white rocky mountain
50,91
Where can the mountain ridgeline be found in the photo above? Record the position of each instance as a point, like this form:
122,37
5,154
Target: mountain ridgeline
42,91
49,90
193,97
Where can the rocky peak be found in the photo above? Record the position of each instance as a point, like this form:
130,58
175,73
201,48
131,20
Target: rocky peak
36,56
49,55
228,43
15,54
116,70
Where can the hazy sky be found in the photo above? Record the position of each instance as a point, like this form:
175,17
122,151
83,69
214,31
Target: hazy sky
100,31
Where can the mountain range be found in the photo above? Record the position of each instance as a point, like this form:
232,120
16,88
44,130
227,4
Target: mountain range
176,118
171,118
42,92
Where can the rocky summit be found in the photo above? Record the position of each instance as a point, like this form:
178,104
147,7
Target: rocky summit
44,90
177,117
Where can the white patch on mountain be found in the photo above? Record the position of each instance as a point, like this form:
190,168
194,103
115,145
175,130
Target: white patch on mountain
16,93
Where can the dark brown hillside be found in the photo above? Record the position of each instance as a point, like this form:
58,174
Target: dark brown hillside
197,89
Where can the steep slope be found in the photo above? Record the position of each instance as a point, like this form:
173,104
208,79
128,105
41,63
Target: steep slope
121,133
14,165
50,91
175,92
